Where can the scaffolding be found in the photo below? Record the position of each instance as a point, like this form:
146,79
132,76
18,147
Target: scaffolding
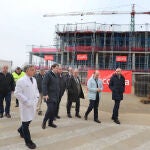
103,43
106,46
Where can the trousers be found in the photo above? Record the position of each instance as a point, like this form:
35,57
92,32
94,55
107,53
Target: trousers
93,104
116,109
7,98
50,112
77,108
24,129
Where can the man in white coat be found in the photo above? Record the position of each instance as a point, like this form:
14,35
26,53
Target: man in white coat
26,92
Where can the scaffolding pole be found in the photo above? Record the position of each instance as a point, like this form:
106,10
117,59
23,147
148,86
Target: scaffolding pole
146,50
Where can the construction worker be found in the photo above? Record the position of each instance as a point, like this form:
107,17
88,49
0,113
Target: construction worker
17,74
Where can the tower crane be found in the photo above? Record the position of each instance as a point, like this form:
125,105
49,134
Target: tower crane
132,13
90,13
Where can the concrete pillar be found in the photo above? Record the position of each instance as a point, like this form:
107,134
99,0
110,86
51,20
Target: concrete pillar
62,58
133,68
67,58
133,61
96,62
46,63
30,57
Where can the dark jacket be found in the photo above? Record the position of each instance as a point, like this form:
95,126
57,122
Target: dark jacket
50,86
39,79
62,84
117,86
67,78
7,83
73,94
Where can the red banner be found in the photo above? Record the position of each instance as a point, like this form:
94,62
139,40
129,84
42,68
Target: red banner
105,76
44,50
48,57
121,58
81,56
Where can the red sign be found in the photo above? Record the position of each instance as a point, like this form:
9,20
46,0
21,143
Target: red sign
121,58
82,57
44,50
48,57
105,76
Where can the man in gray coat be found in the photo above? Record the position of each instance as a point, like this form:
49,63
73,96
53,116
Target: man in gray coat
51,91
95,88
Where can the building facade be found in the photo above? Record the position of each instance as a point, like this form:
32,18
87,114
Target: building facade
100,46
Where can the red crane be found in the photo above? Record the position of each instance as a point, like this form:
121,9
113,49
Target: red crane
132,13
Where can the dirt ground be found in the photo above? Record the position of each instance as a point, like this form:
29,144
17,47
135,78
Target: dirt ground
78,134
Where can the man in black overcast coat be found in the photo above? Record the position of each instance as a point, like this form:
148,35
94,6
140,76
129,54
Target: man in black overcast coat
62,84
117,86
75,92
51,90
7,85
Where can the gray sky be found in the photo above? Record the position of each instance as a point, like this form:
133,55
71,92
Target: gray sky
22,23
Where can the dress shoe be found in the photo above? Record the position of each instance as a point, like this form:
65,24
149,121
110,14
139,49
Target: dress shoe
43,125
31,145
52,125
78,116
117,121
85,117
1,115
21,134
8,115
96,120
69,116
58,117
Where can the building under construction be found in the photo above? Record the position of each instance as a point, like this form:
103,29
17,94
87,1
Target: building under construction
93,45
101,46
104,46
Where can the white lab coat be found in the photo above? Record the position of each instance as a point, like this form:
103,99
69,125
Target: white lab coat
27,93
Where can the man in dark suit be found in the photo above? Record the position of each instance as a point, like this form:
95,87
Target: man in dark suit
51,90
62,84
7,85
117,86
75,92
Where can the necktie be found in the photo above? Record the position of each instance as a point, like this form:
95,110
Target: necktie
96,82
31,79
77,80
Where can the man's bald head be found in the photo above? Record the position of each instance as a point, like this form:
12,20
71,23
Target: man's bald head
118,71
96,74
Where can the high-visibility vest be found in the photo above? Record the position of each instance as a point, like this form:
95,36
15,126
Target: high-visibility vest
16,76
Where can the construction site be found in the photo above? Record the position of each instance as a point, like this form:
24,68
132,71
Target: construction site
93,45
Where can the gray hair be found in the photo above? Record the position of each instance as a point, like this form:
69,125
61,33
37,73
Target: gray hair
76,70
27,67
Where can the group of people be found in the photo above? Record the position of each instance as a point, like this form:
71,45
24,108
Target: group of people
31,89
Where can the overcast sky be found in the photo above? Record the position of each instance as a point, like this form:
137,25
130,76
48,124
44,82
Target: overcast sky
22,23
